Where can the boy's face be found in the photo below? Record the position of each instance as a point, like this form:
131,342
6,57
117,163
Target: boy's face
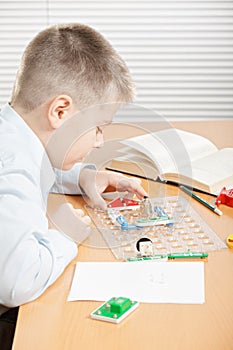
91,136
83,146
77,134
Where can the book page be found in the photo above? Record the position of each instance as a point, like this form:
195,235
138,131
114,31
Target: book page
133,158
172,149
128,153
215,170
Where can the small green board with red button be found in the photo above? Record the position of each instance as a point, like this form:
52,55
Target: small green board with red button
114,310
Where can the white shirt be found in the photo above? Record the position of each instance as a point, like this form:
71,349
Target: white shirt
32,256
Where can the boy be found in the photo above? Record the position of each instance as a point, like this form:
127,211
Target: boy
64,70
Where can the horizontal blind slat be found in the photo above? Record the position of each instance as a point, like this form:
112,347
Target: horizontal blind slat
180,53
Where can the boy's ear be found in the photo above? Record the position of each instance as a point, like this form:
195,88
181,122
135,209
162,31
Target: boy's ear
59,110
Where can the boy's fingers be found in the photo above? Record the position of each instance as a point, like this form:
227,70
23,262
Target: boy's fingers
72,222
131,186
139,190
124,183
98,202
95,198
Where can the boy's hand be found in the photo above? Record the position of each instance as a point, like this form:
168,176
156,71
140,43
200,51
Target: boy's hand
71,221
94,183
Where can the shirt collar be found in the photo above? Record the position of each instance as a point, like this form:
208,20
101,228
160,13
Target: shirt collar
10,115
36,148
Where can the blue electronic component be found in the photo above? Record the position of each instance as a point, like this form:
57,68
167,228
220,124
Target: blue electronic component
122,220
125,225
160,211
161,219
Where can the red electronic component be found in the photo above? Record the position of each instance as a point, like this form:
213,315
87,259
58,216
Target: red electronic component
123,203
225,197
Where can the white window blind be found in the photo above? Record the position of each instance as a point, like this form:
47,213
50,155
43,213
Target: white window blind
180,53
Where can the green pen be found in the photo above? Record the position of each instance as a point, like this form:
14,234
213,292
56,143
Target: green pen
170,256
202,201
188,255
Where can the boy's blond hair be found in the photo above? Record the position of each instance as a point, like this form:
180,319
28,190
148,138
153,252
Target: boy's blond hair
71,59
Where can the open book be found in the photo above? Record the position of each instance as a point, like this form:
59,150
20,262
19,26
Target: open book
177,156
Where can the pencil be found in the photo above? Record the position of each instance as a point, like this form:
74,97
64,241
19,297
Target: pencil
201,200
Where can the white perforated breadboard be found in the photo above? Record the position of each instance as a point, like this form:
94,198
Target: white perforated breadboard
189,231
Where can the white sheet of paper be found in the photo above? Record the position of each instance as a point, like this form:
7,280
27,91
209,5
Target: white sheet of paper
151,282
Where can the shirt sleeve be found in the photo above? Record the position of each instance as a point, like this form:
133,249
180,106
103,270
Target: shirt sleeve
66,181
32,256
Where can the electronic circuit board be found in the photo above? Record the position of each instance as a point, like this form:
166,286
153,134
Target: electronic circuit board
114,310
188,230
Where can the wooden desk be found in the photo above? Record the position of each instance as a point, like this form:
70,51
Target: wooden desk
52,323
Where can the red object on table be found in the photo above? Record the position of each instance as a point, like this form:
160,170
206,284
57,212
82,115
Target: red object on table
123,203
225,197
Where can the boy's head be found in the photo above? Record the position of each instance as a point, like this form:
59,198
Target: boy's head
66,69
72,60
